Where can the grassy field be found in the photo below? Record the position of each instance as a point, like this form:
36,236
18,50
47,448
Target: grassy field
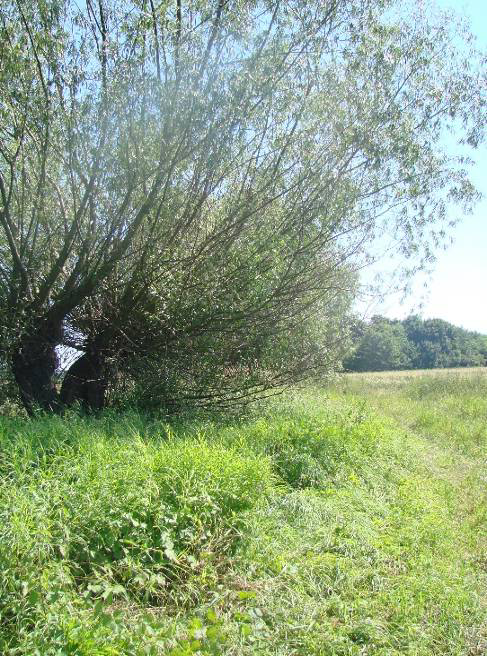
344,521
389,376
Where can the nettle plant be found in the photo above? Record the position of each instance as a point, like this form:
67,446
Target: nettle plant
186,188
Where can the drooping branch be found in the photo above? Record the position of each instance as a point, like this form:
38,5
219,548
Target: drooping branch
156,40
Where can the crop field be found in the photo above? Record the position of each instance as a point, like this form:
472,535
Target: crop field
391,376
342,521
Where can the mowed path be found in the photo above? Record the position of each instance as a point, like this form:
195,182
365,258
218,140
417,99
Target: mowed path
444,412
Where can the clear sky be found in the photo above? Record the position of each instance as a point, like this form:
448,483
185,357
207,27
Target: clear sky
457,289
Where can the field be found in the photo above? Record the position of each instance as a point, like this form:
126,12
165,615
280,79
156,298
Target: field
349,520
391,376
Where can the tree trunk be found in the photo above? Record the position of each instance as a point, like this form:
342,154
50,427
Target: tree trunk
34,364
86,382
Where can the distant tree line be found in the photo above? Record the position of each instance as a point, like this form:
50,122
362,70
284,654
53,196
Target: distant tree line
413,343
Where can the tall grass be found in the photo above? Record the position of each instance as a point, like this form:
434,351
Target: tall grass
89,514
322,526
448,408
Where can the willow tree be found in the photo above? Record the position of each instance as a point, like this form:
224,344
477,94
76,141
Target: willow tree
186,187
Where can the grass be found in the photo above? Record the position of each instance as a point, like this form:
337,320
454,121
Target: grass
447,407
345,521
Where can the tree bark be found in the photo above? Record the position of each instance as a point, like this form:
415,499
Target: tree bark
86,382
34,363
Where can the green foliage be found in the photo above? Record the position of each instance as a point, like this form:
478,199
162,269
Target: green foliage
382,347
439,344
414,343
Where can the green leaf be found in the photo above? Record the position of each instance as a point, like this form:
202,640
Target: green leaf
246,594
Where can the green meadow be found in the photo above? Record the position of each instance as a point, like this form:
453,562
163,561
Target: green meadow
341,521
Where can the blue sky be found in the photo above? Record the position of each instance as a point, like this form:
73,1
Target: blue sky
457,289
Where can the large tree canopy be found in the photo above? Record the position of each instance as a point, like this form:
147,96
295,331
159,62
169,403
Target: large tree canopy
185,187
